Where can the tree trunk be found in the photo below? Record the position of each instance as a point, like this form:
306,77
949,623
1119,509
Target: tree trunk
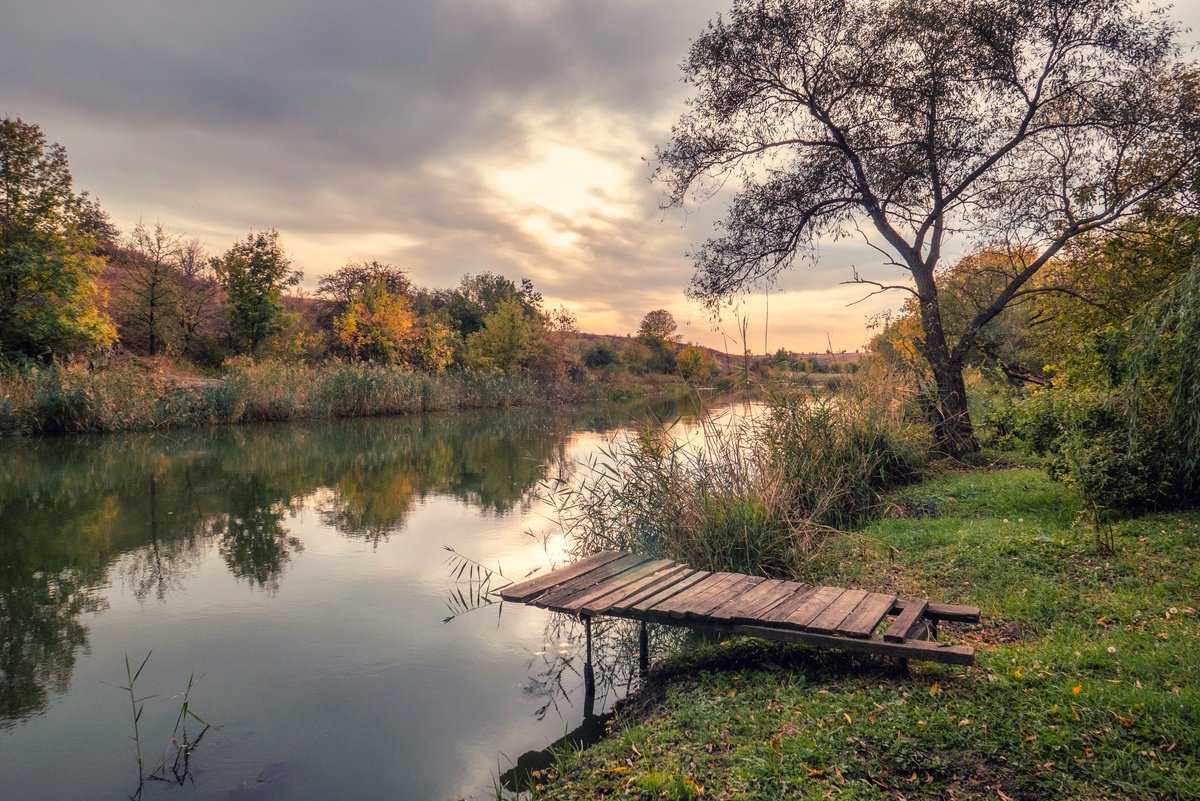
948,414
947,411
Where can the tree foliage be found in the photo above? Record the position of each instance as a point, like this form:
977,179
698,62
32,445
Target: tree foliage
377,325
50,303
659,326
1019,125
695,363
254,274
506,338
347,284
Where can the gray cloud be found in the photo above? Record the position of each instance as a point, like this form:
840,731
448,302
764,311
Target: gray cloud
373,128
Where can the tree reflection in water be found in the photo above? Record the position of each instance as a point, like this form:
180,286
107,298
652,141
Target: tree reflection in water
78,512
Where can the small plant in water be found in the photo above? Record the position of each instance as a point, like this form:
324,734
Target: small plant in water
179,748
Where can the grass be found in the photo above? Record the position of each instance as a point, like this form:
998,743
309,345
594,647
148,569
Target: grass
1084,686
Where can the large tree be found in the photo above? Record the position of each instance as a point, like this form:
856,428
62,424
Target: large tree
254,274
924,125
49,300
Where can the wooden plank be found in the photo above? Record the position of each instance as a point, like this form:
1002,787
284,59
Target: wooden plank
781,610
618,584
562,593
909,649
524,590
815,605
675,583
705,608
769,591
866,616
658,579
831,617
902,626
964,614
788,593
644,604
677,605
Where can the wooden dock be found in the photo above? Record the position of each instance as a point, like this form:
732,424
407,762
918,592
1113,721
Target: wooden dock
664,591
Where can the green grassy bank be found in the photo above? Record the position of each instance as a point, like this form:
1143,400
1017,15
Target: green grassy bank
1084,687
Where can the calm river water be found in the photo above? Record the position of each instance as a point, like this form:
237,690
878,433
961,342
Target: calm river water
299,571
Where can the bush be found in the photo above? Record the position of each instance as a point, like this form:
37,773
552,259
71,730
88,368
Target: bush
1113,468
599,356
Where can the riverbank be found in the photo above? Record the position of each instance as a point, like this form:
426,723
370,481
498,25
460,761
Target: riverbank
1084,684
141,395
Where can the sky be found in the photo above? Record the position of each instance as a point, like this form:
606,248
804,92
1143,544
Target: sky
446,137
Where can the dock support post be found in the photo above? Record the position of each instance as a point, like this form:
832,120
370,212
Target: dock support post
643,651
589,676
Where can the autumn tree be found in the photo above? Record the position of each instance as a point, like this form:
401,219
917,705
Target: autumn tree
50,303
1018,125
433,344
254,274
377,325
695,363
658,326
505,340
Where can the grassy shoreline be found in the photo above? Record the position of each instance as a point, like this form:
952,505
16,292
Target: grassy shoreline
1084,684
136,397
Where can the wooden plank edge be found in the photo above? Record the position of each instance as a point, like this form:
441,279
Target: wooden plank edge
963,614
902,626
522,591
909,649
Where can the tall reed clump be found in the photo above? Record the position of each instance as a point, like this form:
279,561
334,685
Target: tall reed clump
755,494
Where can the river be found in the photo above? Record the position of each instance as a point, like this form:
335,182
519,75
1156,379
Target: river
299,573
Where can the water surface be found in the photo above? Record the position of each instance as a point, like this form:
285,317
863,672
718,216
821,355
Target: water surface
299,572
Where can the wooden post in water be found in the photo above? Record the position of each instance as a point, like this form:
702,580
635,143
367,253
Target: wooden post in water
643,651
589,676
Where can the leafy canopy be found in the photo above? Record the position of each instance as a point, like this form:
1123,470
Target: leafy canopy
49,300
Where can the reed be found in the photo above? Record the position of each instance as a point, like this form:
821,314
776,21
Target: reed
754,495
60,398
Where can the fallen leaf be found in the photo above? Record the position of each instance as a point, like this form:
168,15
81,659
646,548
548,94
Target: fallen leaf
849,719
1077,689
935,689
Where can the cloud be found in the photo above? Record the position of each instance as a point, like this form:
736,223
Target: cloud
449,137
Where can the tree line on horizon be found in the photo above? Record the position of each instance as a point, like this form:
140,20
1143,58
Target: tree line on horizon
71,285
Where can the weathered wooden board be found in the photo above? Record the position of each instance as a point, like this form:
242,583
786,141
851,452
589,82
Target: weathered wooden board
678,605
902,625
648,602
815,605
964,614
657,578
704,609
747,603
615,584
867,615
524,590
563,593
